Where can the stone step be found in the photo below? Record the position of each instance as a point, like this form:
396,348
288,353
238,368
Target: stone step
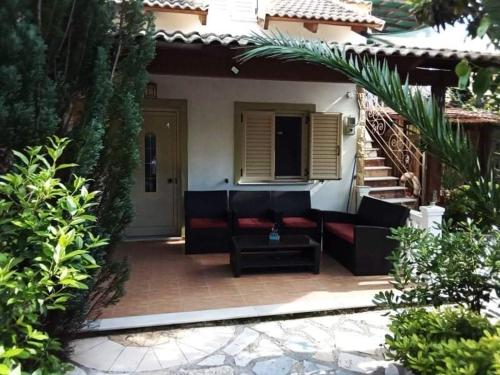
384,192
382,181
374,161
378,171
387,188
404,201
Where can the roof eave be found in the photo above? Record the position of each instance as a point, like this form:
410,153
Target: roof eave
322,21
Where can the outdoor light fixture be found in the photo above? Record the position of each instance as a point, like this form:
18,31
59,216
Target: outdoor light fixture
235,70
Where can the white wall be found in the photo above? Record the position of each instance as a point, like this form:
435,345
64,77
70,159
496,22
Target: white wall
211,134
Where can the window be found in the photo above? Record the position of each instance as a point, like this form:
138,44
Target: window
150,163
286,143
288,146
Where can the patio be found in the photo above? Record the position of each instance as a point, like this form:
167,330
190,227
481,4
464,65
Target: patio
165,280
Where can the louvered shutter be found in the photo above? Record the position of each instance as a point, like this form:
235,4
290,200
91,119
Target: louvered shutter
325,146
258,158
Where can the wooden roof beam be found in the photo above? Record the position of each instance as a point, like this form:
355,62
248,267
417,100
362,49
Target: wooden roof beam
311,26
269,18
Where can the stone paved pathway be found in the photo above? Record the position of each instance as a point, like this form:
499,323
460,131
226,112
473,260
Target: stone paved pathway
341,344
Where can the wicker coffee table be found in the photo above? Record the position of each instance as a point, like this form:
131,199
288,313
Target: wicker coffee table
290,252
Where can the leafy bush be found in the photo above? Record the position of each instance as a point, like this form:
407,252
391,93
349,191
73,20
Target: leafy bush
460,266
45,244
451,341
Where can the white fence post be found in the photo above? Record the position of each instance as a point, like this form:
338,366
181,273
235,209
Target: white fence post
432,218
429,218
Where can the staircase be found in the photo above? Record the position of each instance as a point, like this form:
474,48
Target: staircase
384,185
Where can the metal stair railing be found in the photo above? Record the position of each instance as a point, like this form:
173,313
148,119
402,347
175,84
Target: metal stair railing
401,151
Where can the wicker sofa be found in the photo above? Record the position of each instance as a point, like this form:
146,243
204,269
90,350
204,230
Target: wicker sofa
360,241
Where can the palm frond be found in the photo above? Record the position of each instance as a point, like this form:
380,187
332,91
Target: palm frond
451,145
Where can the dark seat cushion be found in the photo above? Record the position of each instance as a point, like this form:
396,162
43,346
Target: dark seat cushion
342,230
299,222
208,223
255,222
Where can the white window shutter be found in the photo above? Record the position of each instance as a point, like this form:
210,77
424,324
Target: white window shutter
325,149
258,158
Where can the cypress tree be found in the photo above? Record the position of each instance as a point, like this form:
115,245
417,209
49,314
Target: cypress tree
77,68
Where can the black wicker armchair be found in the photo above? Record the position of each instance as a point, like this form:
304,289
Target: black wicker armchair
208,224
360,241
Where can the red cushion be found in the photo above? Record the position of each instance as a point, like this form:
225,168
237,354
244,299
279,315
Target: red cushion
299,222
255,222
208,223
342,230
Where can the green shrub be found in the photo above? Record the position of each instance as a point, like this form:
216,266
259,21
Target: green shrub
458,205
450,341
45,240
460,266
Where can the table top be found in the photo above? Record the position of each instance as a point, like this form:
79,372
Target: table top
263,242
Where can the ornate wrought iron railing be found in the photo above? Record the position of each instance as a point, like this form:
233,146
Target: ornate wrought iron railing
396,142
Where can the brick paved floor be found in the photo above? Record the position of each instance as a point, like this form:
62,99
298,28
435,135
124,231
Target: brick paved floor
163,279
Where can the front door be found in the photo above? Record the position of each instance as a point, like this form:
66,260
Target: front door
155,194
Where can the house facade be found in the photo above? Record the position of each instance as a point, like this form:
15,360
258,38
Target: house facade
211,123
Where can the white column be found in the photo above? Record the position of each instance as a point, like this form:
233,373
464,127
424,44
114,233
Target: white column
432,217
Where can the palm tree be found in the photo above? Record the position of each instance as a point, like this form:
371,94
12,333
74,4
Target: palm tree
439,137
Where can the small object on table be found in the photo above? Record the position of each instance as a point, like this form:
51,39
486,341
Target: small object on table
259,252
274,235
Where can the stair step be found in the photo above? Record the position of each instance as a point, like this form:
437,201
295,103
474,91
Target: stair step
401,200
387,188
378,171
372,149
382,178
375,158
374,161
378,167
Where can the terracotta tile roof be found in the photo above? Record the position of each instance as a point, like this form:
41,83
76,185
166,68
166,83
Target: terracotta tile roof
460,115
321,10
178,4
369,49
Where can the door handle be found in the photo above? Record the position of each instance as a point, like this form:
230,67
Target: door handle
170,181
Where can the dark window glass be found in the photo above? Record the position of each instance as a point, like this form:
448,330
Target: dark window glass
150,162
288,144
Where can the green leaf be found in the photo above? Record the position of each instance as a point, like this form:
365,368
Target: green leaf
13,352
4,370
21,156
71,205
463,81
484,26
482,81
39,336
